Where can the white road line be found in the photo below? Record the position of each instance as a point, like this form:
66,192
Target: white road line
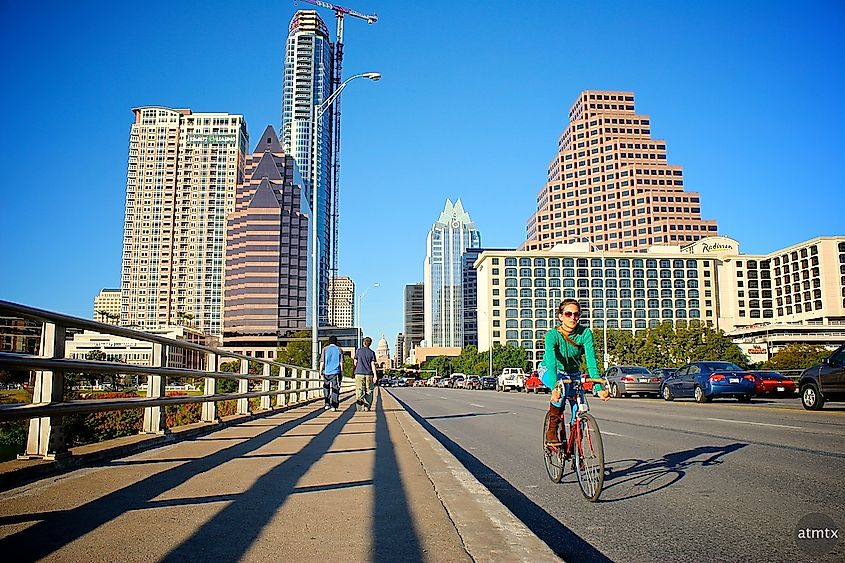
606,433
755,423
474,405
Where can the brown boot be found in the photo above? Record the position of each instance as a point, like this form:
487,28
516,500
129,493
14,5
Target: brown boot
552,438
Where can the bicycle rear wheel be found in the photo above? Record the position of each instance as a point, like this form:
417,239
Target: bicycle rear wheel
589,458
552,455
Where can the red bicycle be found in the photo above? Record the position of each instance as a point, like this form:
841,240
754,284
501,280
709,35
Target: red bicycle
583,447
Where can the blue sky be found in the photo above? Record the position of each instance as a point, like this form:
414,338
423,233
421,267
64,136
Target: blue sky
474,95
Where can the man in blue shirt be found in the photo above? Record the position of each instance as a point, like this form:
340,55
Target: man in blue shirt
331,362
365,375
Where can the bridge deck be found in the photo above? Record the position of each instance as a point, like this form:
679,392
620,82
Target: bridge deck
299,485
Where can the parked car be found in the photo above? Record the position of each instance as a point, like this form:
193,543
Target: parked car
488,382
708,380
629,380
773,383
473,382
824,382
511,378
458,380
663,373
534,384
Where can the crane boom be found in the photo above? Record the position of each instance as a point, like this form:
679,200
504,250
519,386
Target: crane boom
369,18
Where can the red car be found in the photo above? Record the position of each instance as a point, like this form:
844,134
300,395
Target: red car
773,383
534,384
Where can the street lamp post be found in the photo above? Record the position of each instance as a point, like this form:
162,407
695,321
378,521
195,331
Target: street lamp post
359,311
606,354
316,114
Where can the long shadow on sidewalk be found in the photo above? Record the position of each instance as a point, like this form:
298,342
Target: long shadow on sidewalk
395,537
563,541
59,528
230,533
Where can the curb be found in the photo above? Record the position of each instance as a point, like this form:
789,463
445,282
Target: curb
488,530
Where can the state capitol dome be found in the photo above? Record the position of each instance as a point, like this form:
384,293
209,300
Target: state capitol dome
382,350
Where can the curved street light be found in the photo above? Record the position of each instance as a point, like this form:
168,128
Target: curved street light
316,114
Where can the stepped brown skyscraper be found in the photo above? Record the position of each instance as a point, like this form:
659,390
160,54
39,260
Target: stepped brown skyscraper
610,184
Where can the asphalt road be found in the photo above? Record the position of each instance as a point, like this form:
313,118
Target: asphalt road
685,482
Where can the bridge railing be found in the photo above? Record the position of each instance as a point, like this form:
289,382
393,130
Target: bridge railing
46,440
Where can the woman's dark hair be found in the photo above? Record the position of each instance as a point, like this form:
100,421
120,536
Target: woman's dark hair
565,302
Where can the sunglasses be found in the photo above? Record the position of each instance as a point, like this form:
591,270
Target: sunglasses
573,314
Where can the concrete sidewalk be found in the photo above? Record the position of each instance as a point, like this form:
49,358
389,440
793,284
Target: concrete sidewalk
299,485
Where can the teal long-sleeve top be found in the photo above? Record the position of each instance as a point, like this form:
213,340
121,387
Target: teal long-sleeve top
559,356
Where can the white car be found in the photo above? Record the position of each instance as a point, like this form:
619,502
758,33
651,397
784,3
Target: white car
511,378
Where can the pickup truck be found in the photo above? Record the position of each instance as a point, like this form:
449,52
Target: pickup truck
511,378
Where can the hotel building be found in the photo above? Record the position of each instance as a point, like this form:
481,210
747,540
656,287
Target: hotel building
708,282
266,253
610,184
180,186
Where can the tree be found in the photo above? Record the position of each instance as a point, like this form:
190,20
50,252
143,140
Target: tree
442,364
297,352
797,356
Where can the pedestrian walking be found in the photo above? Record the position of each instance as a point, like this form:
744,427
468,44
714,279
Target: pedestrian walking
330,365
365,375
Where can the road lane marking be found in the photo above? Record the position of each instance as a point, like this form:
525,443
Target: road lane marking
606,433
755,423
474,405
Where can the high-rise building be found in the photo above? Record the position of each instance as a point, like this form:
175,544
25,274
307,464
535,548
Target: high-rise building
307,83
446,244
342,302
414,315
107,306
470,287
401,352
266,253
180,186
796,294
610,184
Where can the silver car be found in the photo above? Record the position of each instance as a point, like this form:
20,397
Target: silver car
628,380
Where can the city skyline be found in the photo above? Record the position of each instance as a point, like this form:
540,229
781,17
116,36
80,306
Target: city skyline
747,104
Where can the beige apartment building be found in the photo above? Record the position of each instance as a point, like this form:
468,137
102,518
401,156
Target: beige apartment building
341,302
610,184
708,282
107,306
180,186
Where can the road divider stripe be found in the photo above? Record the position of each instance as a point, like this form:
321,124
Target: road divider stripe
474,405
756,423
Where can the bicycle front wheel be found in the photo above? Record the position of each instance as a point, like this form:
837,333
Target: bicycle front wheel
589,457
552,456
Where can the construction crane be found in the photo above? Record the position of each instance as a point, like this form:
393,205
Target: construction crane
334,210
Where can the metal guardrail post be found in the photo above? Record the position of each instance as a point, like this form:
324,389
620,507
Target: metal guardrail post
282,385
265,386
154,417
46,438
296,385
243,387
209,409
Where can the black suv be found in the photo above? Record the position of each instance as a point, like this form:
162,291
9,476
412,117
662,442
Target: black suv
824,382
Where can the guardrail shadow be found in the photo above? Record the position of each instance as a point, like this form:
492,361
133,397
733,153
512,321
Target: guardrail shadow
225,537
653,475
563,541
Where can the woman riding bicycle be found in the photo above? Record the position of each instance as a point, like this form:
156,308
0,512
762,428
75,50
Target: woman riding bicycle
564,348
